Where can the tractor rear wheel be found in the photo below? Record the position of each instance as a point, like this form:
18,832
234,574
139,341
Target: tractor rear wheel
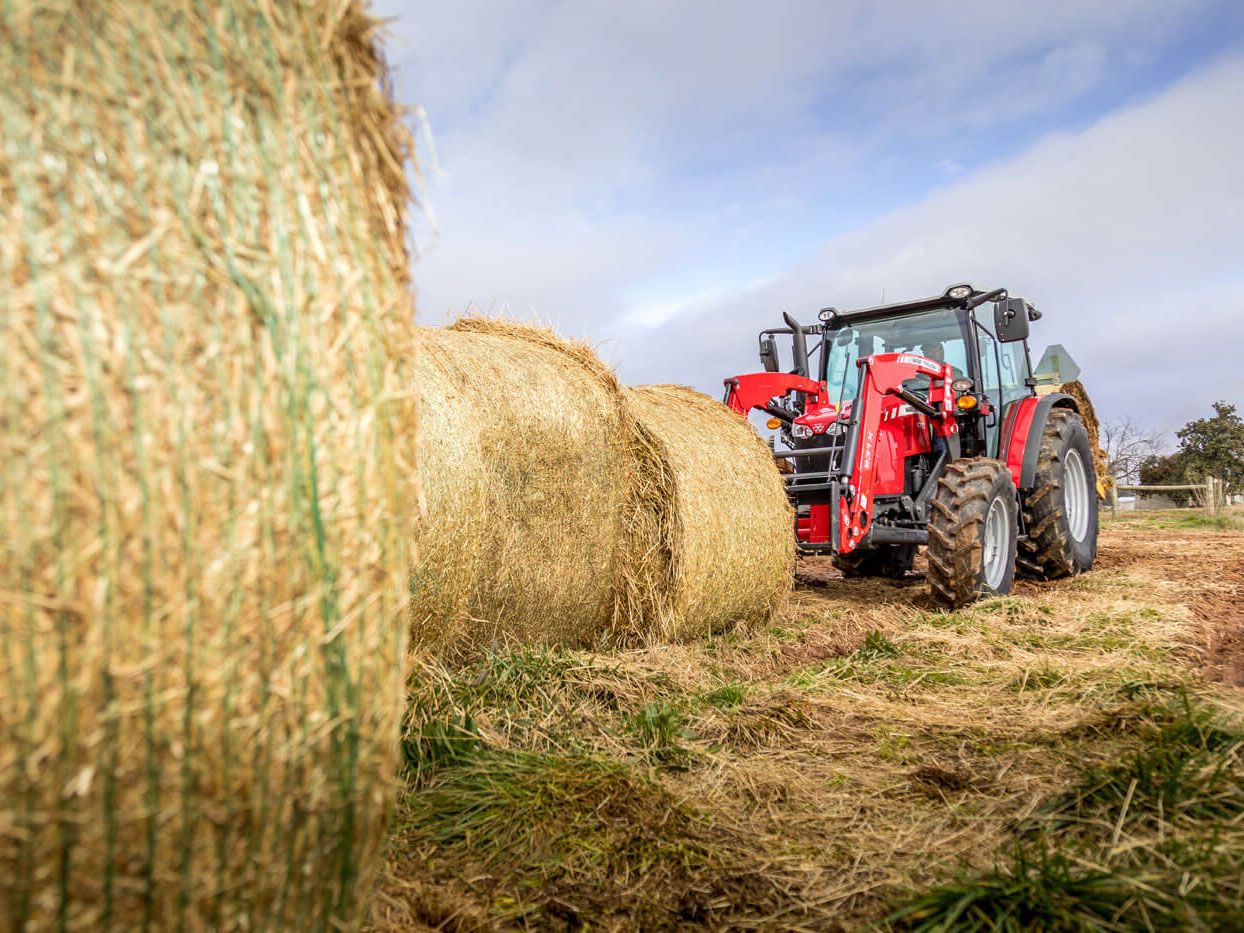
973,532
1060,513
891,561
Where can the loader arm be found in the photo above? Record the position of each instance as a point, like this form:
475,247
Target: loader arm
881,375
757,390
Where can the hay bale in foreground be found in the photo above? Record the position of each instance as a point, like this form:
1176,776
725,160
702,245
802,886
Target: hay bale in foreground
203,535
725,551
526,475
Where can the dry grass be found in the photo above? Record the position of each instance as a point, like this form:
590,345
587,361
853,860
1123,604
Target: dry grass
204,436
822,772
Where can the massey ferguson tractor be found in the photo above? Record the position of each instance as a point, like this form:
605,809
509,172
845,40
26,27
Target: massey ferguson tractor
919,424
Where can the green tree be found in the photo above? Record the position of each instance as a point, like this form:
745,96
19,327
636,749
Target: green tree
1162,471
1214,447
1167,470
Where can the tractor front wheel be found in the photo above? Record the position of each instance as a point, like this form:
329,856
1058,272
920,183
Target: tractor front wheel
973,532
1060,513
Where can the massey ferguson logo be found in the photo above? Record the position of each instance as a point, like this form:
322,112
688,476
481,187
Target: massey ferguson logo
921,363
899,411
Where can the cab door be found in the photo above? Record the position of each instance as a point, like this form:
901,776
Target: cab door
1004,373
989,385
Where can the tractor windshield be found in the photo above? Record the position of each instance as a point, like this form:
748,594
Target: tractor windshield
937,335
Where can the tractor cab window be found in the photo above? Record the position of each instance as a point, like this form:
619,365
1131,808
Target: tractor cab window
1004,365
937,335
1004,374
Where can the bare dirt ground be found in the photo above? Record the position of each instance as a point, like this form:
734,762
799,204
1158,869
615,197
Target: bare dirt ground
824,772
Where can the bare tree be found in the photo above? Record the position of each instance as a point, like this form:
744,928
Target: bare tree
1128,444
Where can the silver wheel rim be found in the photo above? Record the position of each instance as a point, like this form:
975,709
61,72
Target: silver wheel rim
1076,495
997,537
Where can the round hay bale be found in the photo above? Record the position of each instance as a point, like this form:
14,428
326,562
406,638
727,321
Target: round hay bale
204,539
723,528
526,478
1100,460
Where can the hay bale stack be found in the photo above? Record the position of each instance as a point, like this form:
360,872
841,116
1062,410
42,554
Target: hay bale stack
525,474
725,551
559,508
204,539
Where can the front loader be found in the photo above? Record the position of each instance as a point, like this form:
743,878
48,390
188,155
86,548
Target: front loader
918,424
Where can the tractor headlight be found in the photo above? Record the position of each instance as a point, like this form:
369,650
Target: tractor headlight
959,292
800,430
962,385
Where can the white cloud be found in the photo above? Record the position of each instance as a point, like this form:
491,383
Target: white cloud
1129,235
628,171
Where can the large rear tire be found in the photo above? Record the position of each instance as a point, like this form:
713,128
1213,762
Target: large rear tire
891,561
973,532
1060,513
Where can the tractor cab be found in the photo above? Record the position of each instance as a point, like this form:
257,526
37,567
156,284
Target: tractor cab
880,407
960,328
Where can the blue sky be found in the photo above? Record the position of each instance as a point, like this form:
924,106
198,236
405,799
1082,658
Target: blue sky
664,179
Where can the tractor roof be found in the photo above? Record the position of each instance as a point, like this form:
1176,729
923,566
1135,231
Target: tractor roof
956,296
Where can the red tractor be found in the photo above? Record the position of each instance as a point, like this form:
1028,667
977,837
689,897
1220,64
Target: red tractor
919,424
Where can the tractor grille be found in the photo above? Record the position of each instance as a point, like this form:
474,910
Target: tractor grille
812,474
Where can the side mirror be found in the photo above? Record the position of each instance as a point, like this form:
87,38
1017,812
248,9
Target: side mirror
1010,319
768,354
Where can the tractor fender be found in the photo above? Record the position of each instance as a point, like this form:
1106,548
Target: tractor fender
1022,429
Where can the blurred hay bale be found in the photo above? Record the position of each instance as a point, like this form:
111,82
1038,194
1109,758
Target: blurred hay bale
203,536
525,476
725,552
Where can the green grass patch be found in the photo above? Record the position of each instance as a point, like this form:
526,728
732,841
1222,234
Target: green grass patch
549,836
661,728
891,674
1152,841
727,696
1188,764
876,645
1221,522
431,744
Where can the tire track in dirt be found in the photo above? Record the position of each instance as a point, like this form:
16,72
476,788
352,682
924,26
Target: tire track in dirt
1223,615
1209,568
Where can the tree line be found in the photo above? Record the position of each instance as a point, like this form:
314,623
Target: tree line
1212,446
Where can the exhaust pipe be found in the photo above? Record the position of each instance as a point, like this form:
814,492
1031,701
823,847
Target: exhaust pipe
800,344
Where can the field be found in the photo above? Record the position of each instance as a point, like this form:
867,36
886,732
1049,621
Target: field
1071,756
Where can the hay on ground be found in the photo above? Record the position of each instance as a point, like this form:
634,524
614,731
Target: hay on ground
725,543
526,472
204,536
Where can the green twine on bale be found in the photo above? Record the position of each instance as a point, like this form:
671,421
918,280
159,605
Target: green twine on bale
207,436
